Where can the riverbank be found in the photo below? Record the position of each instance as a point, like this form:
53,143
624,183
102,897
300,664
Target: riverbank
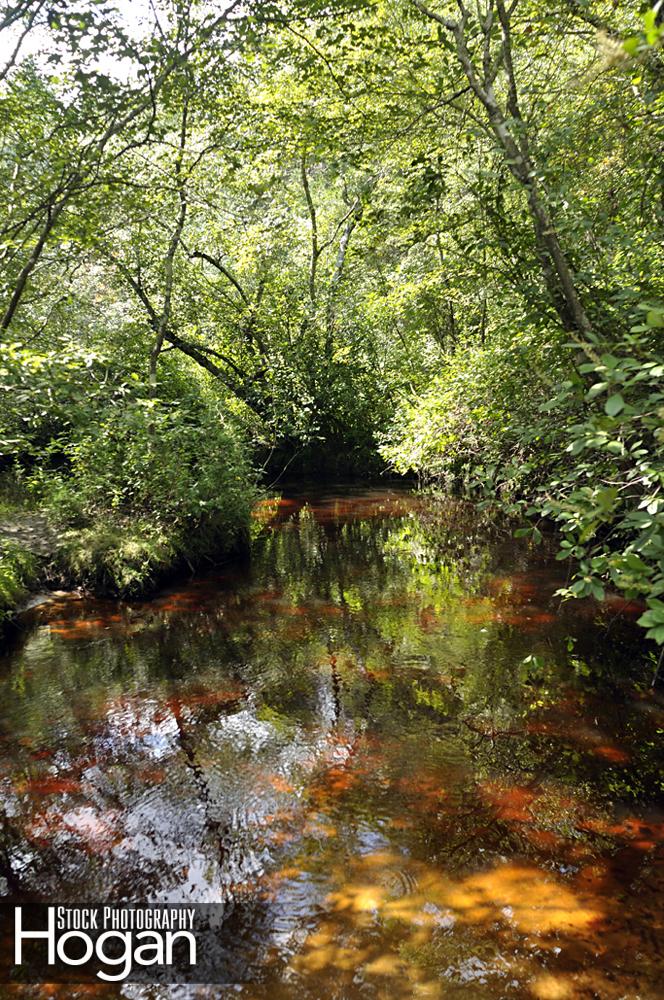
103,558
19,575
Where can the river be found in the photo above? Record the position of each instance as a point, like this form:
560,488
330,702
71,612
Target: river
382,743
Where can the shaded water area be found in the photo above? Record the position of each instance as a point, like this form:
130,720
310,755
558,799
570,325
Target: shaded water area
403,768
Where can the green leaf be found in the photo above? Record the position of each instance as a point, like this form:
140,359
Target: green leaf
657,634
614,404
649,618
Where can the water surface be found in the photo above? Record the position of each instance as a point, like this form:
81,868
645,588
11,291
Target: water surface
403,768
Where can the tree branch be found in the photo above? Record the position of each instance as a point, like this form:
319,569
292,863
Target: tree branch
432,15
201,255
315,250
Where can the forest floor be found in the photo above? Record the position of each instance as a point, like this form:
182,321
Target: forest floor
32,531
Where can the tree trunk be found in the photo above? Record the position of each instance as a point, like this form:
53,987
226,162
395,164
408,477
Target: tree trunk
52,216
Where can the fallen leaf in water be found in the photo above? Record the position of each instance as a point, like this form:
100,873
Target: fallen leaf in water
280,784
329,610
537,902
265,596
206,697
622,606
152,775
319,830
509,802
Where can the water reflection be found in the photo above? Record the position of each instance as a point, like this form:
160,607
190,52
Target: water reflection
402,768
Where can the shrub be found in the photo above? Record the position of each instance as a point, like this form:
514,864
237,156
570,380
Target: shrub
579,444
150,484
475,429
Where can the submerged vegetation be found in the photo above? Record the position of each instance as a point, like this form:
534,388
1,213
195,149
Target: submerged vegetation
240,242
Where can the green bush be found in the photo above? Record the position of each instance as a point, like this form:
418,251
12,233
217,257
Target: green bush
48,392
581,444
475,429
146,485
150,484
609,500
134,484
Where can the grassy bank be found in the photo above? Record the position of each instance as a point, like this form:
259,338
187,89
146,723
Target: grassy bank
129,558
109,557
19,574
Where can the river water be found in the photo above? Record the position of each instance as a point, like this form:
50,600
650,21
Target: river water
403,768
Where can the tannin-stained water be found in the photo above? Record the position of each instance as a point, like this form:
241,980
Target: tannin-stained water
403,768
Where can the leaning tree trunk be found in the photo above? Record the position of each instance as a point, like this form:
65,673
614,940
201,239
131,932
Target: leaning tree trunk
509,129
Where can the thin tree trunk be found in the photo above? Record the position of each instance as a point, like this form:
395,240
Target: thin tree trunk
164,318
315,250
53,214
337,275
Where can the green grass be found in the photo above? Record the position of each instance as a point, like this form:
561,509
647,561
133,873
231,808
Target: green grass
131,558
108,558
105,552
18,574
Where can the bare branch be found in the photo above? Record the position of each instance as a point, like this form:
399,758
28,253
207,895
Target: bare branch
201,255
17,48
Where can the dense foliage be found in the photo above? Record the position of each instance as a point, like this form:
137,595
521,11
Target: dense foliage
133,483
334,238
